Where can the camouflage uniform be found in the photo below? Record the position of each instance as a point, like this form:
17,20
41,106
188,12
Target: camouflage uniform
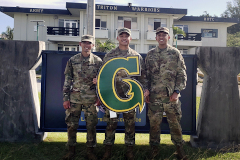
122,88
79,90
166,72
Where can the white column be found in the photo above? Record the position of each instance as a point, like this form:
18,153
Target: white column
170,24
142,31
91,17
112,29
81,27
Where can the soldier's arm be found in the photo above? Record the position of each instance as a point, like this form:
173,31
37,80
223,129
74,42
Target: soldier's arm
181,78
147,72
68,81
99,65
143,78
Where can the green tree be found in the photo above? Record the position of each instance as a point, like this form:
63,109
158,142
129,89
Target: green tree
232,11
8,35
233,40
177,31
206,14
104,46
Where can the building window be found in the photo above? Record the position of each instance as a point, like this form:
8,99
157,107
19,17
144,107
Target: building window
127,22
154,23
101,22
182,27
62,47
67,27
68,23
151,46
209,33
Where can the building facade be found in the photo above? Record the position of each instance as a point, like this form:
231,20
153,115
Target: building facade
61,29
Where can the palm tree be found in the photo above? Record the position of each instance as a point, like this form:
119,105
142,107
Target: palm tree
176,32
8,35
104,46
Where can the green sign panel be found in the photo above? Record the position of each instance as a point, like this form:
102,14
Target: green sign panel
106,84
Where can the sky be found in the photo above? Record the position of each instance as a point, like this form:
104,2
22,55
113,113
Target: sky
194,7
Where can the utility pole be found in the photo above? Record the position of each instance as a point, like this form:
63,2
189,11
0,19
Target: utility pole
38,25
91,17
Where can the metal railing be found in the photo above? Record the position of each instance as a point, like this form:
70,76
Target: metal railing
101,28
190,37
63,31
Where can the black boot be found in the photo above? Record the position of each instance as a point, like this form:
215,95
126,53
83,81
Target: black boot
129,154
90,153
70,154
180,153
108,152
154,151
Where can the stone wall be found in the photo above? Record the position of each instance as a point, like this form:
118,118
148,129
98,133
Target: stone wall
19,103
218,122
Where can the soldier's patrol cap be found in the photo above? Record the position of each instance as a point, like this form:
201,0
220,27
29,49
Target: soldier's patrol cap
126,30
87,38
162,29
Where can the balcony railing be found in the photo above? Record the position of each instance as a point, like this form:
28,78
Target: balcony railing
101,32
63,31
191,37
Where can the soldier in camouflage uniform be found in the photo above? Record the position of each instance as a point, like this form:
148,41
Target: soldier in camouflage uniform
79,94
124,38
166,74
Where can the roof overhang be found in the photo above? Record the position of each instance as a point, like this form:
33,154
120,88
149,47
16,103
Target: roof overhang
10,11
72,7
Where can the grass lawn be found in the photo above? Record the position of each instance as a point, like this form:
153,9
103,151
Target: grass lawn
53,148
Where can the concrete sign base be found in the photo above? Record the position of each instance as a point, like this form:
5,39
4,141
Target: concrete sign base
19,103
218,122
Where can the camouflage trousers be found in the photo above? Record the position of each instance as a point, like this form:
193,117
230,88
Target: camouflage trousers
129,122
72,120
173,113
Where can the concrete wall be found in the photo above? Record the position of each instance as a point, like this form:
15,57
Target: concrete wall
19,103
218,122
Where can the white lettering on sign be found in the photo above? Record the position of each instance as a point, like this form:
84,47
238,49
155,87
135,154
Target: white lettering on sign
106,7
145,9
38,10
138,9
209,19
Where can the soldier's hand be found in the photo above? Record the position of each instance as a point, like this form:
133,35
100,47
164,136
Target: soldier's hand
146,92
66,104
97,103
147,99
94,80
174,97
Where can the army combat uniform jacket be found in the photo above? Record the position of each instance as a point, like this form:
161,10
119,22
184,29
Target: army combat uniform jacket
166,72
120,86
79,74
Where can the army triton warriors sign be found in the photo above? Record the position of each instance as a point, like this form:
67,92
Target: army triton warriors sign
106,84
53,113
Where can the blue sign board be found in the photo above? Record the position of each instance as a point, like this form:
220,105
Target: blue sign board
53,113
